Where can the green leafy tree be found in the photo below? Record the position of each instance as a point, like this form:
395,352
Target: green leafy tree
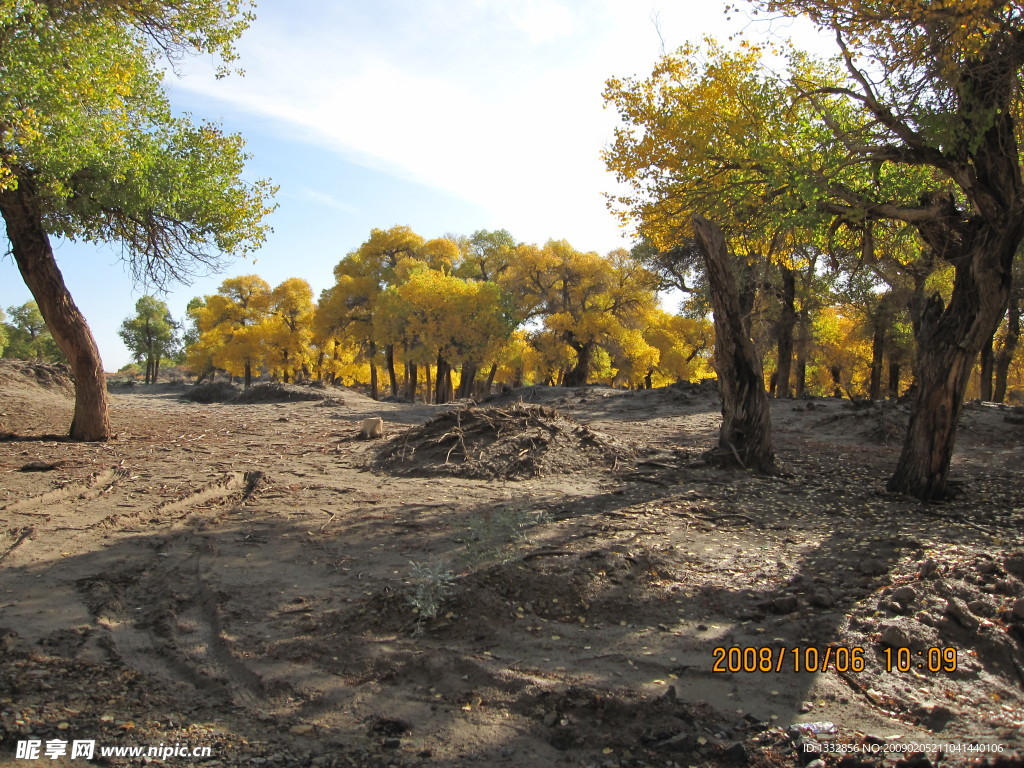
152,334
28,336
920,127
90,150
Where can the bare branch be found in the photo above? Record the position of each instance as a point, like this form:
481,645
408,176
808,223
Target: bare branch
870,100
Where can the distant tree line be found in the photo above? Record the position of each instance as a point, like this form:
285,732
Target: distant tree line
456,316
450,317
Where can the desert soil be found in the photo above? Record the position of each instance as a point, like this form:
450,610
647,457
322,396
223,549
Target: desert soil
511,585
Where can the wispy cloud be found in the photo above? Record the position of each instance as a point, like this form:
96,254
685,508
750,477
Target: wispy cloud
494,101
325,199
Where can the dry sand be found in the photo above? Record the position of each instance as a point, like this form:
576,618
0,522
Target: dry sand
255,578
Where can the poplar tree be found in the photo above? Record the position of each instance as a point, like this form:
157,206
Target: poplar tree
91,151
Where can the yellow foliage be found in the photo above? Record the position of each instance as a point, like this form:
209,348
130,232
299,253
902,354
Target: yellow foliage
684,347
841,354
288,331
230,325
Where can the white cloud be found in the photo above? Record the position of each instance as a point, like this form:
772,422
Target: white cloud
325,199
541,20
440,93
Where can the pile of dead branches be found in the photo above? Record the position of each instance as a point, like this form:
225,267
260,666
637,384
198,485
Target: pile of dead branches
277,392
511,442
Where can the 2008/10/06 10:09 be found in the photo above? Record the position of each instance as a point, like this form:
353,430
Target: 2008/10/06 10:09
840,658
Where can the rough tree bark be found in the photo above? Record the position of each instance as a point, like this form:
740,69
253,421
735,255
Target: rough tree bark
785,333
442,381
987,363
374,389
490,379
953,337
577,377
1005,356
469,371
30,245
745,437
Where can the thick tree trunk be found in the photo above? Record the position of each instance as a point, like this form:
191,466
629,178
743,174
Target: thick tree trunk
389,359
952,338
987,363
577,377
248,374
1005,356
319,365
785,334
429,393
33,254
746,433
894,380
374,388
440,385
490,378
466,379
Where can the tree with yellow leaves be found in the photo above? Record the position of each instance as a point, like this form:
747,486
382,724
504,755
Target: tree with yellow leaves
939,87
920,128
288,328
231,325
387,259
586,300
435,316
683,345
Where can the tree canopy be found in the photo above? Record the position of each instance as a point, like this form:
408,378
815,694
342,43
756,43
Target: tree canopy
916,123
150,335
91,150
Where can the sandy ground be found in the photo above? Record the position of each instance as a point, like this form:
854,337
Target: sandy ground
241,577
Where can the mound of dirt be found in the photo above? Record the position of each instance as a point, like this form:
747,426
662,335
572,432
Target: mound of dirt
276,392
552,586
542,394
35,398
881,424
212,392
51,377
514,442
958,614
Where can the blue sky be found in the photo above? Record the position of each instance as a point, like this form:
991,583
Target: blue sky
448,116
